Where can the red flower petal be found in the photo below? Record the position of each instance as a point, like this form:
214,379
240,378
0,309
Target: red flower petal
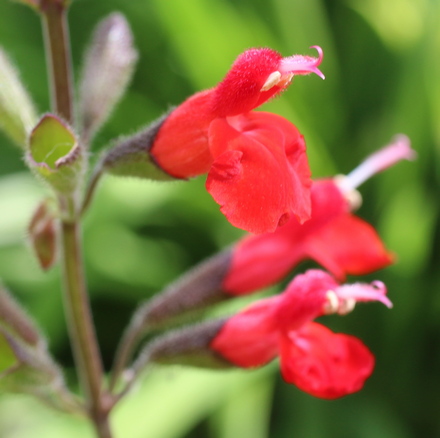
250,339
349,245
181,145
260,174
334,238
259,261
240,90
323,363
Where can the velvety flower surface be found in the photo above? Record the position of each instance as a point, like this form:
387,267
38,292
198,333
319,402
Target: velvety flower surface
335,238
256,162
312,357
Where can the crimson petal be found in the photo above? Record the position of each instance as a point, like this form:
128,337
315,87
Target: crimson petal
250,338
349,245
324,364
259,176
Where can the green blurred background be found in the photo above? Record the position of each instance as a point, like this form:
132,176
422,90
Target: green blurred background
382,66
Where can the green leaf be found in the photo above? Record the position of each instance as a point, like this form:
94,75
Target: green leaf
55,154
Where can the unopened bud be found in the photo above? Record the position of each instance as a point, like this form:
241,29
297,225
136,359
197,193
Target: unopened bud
108,68
55,154
43,234
17,112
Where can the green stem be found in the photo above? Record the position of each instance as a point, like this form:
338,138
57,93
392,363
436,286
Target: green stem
56,38
78,312
82,333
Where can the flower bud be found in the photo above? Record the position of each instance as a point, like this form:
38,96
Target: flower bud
108,67
17,112
43,235
55,154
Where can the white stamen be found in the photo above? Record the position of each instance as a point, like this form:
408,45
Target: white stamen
353,197
271,81
332,304
346,306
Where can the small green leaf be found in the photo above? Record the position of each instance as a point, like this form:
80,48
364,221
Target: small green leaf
55,155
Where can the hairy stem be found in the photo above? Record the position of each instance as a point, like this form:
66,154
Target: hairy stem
80,323
57,44
78,312
126,347
194,291
93,184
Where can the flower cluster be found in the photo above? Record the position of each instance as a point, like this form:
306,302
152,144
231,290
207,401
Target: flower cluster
334,237
258,172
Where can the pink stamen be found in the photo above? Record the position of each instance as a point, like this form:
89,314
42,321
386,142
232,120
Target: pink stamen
399,149
375,291
302,65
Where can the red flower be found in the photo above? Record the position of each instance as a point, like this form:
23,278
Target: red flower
318,361
335,238
256,162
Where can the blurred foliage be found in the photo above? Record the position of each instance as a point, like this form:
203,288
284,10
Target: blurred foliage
383,69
